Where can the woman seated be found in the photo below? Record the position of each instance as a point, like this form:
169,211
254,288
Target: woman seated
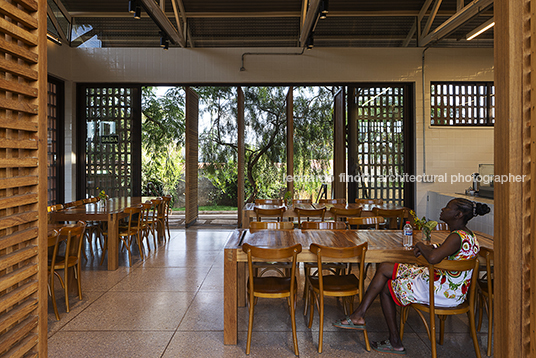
403,284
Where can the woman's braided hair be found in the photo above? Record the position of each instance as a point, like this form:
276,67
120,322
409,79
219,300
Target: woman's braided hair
470,209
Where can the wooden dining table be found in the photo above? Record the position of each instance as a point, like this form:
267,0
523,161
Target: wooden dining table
383,246
248,212
111,211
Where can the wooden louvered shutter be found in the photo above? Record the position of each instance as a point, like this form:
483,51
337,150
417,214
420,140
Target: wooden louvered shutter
192,161
23,178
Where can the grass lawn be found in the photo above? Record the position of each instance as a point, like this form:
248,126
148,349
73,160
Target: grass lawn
212,208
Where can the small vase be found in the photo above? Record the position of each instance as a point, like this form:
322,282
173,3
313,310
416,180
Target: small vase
426,235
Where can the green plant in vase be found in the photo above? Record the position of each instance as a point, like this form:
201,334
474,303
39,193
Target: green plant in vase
425,225
288,198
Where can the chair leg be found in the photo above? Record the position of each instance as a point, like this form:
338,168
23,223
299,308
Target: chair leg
473,332
442,329
54,297
433,336
250,326
293,321
66,285
312,309
307,271
490,324
321,324
79,279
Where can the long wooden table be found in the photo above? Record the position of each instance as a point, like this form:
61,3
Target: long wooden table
248,212
383,246
111,212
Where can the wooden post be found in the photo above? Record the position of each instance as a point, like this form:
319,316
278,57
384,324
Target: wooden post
241,152
290,139
514,296
352,144
339,146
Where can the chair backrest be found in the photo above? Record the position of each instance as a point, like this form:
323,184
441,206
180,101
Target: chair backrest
303,201
277,212
395,216
323,225
345,212
457,266
310,213
132,211
441,226
270,225
369,201
54,208
74,240
90,200
167,204
357,252
367,221
157,206
145,210
332,201
268,201
490,257
69,205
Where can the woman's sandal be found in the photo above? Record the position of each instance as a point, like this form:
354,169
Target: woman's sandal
349,325
386,347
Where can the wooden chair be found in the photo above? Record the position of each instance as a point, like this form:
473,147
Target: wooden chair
310,213
443,312
272,287
485,293
68,205
345,212
269,202
332,201
323,225
74,236
127,232
369,201
441,226
275,212
395,217
147,224
303,201
91,200
346,286
271,225
367,221
157,217
166,212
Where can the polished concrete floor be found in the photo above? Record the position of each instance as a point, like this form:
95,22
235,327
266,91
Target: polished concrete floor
171,305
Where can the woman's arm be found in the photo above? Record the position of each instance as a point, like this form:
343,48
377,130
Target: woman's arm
435,255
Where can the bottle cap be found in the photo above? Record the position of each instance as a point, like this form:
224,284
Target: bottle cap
407,222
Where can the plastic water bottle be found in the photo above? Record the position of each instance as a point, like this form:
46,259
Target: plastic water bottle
407,240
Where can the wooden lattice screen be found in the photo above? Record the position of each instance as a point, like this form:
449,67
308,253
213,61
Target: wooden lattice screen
192,160
23,178
55,143
110,147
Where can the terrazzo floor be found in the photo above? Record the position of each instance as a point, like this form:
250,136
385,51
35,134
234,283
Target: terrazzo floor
171,305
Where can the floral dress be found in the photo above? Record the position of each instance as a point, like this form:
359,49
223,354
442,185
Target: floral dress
410,283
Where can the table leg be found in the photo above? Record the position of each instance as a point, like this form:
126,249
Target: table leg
230,308
113,242
241,284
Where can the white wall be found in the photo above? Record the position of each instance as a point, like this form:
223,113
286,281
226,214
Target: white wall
447,150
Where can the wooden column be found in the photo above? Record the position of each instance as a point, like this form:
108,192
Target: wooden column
192,160
241,152
290,139
352,144
514,201
339,146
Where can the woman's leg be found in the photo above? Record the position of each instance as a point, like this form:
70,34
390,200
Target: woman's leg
378,283
389,312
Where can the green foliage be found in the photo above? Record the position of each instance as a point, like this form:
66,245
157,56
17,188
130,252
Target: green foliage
162,140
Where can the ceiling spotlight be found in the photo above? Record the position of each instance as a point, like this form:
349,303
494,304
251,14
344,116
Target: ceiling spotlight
137,12
132,6
323,9
166,46
310,42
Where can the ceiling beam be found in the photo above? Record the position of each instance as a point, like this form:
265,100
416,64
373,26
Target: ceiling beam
431,18
162,21
177,19
274,14
56,24
468,12
410,34
310,19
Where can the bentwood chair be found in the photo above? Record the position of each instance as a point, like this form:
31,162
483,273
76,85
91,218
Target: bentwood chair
395,217
147,225
272,287
269,202
54,208
262,267
366,221
468,306
156,216
332,201
334,267
346,286
303,201
441,226
165,212
369,201
271,225
73,236
271,213
345,212
132,229
485,293
308,213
